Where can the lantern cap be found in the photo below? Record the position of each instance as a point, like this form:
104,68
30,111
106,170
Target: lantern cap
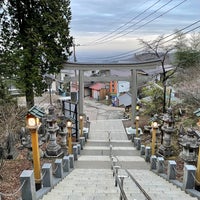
36,112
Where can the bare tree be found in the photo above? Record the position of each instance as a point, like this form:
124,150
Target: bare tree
160,51
12,118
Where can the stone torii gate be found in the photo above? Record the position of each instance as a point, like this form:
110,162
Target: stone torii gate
133,67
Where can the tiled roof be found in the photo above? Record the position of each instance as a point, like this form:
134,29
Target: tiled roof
97,86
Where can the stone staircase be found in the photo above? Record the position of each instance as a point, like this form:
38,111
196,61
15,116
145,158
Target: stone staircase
92,177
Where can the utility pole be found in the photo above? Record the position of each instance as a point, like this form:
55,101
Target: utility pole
75,60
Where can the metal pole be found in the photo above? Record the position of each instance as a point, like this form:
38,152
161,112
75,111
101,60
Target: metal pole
36,158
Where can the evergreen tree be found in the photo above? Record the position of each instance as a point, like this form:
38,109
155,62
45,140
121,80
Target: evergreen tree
35,40
187,50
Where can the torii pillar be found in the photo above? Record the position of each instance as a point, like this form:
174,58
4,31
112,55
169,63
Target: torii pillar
134,94
81,92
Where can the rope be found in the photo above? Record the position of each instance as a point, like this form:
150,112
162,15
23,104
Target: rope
164,165
180,173
55,169
198,182
13,194
42,176
64,164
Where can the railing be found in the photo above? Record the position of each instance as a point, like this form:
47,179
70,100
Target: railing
139,186
119,179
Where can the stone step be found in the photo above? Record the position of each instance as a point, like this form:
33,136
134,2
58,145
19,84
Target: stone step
85,184
114,143
155,186
105,151
104,162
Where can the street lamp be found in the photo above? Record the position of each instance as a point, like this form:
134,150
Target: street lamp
81,125
137,125
154,131
69,127
32,124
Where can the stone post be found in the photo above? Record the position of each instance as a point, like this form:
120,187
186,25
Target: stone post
171,170
71,159
28,189
139,144
153,160
66,164
82,142
160,165
142,150
189,177
147,154
75,152
59,168
48,175
79,148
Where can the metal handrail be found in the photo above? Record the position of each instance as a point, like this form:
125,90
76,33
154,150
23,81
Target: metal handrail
138,185
122,193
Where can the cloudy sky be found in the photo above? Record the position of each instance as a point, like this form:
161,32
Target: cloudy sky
110,29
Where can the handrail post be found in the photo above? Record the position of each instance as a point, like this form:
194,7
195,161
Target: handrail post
122,185
115,170
110,150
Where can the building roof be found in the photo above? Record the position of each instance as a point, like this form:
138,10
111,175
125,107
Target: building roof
125,99
157,70
97,86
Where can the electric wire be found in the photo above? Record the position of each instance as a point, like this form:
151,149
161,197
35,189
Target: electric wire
139,27
126,54
141,20
120,27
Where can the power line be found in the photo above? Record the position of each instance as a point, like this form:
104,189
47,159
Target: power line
117,34
126,54
113,38
120,27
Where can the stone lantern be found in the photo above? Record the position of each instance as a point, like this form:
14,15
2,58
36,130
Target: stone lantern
190,145
168,129
63,132
53,149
